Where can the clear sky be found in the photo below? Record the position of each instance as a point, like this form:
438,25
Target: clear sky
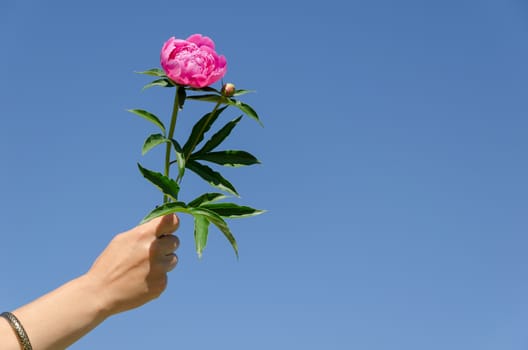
394,169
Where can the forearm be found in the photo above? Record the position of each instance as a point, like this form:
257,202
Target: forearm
59,318
131,271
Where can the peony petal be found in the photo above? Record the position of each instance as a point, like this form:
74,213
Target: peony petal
200,40
167,44
179,44
221,61
167,48
208,50
199,80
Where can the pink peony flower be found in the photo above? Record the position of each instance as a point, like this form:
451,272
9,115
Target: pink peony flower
192,62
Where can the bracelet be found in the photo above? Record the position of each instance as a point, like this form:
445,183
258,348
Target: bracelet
19,330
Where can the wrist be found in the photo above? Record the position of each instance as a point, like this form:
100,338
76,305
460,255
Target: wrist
59,318
95,294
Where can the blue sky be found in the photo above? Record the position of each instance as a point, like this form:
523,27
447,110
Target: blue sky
394,169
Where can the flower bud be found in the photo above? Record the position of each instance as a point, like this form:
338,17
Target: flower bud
228,90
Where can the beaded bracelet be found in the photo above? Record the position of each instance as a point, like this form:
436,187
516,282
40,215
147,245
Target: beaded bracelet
19,330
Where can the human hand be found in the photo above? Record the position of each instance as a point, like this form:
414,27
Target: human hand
132,270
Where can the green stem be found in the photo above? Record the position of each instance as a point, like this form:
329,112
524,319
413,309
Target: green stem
174,117
187,156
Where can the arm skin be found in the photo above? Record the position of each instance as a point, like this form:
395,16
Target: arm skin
131,271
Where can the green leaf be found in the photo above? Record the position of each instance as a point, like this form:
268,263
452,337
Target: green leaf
231,210
165,184
209,98
182,95
152,141
220,136
150,117
199,129
201,231
217,220
232,158
206,89
247,109
155,72
212,177
242,92
163,82
180,207
165,209
180,158
206,198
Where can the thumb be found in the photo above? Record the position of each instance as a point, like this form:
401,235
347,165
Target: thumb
162,225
